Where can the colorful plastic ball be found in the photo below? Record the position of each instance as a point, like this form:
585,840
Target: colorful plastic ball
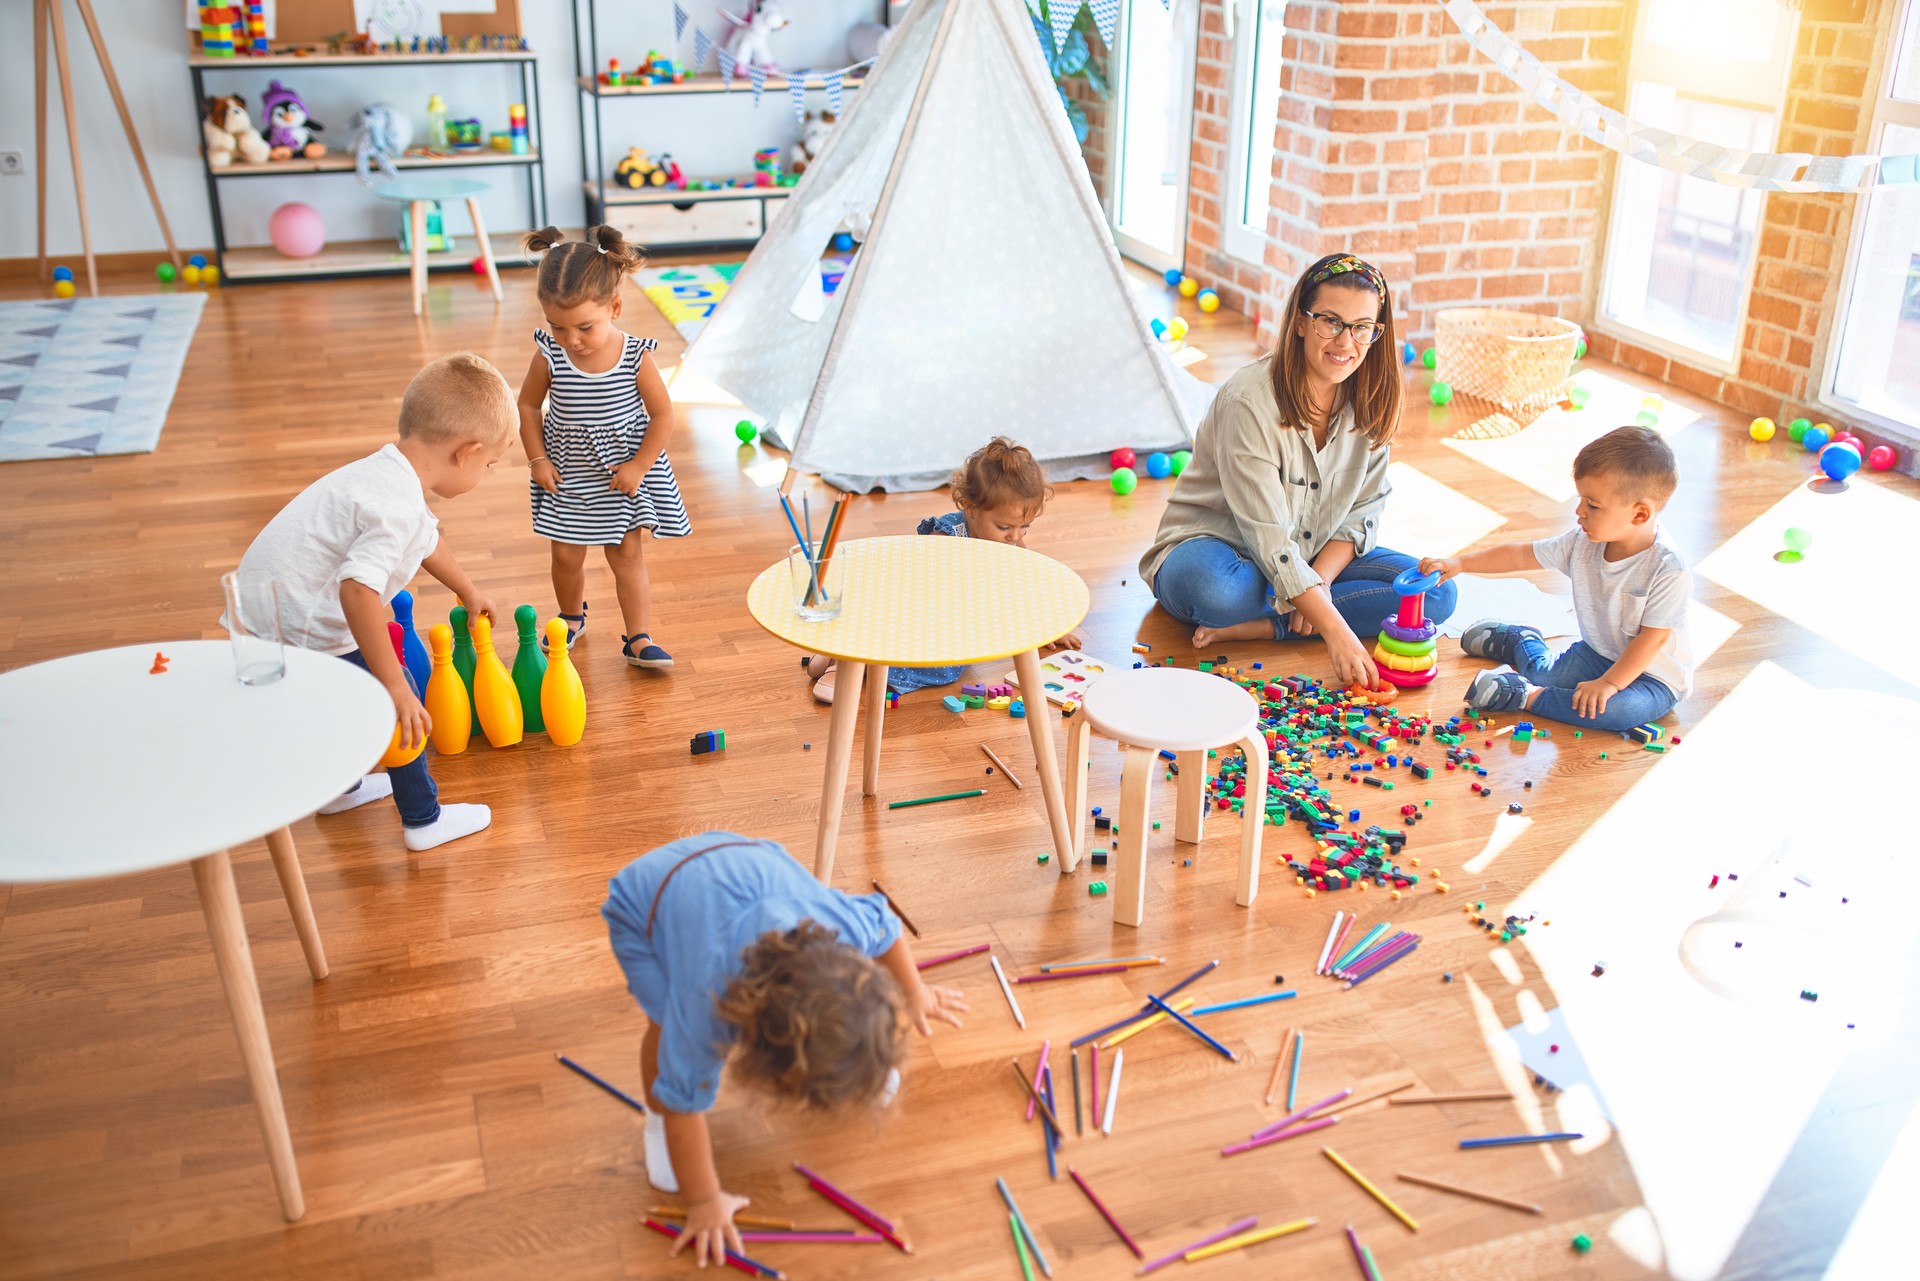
1123,480
210,275
164,273
1816,439
842,242
478,266
1881,457
1172,276
1652,402
1440,393
1177,328
1839,460
1209,301
1798,540
1159,466
190,274
63,289
1181,457
197,260
1848,438
1580,350
1122,457
1580,396
63,273
1761,429
1796,429
1427,358
297,230
1159,328
1408,353
1646,418
745,431
1189,286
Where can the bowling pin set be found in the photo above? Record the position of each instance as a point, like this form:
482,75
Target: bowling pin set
464,679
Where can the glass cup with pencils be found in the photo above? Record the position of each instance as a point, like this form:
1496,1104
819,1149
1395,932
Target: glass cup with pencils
817,574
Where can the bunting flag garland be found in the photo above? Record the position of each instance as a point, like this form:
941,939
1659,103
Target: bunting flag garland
834,80
702,46
1062,13
1106,14
757,74
797,94
726,68
1795,171
679,22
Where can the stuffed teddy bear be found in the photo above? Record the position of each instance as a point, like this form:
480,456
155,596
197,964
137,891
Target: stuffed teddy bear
813,136
289,130
228,131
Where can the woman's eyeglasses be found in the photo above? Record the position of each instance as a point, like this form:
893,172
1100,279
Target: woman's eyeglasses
1329,326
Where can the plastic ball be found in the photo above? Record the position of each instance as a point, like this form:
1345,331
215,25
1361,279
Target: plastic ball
1580,350
1428,357
1798,540
1646,418
1209,301
63,273
1408,353
1122,457
1159,466
209,275
190,274
63,289
1881,457
197,260
1839,460
1177,328
1848,438
1796,429
1172,277
1816,439
1189,286
164,273
1761,429
843,242
1580,396
1440,393
297,230
1181,457
745,431
1123,480
1652,402
478,266
1159,328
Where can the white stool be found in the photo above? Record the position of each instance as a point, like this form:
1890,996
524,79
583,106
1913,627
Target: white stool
1146,710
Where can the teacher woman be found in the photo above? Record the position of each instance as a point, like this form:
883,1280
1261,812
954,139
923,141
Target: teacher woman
1273,529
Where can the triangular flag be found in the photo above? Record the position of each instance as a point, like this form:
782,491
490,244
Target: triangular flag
1106,13
679,22
758,75
726,68
1062,13
797,94
833,79
702,46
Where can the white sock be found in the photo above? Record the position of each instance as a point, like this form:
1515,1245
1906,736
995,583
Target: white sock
373,787
659,1164
455,821
891,1088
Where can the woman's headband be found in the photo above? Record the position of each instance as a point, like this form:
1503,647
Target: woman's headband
1346,264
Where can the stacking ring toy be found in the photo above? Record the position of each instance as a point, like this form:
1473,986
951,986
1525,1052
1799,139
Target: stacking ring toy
1399,663
1404,654
1408,635
1411,582
1408,680
1408,649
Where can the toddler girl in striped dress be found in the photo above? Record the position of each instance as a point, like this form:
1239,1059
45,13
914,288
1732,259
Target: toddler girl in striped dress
599,454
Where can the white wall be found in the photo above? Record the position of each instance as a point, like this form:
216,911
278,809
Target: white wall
708,135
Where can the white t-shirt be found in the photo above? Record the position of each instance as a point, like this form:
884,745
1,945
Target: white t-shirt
367,522
1615,599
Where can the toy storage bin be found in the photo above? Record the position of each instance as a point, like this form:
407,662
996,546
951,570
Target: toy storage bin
1514,359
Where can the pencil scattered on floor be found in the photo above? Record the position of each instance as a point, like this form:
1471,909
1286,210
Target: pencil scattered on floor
1011,777
1246,1239
930,800
1371,1191
1039,1072
1020,1073
1007,992
932,961
1293,1077
861,1212
614,1090
1279,1064
741,1220
1194,1028
904,918
1106,1214
1232,1229
1022,1227
740,1262
1469,1096
1113,1091
1071,974
1514,1140
1489,1197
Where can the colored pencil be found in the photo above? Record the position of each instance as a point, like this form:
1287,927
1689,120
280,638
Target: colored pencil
932,961
1301,1115
1107,1214
1103,960
1320,966
837,526
1371,1191
1373,954
1232,1229
1007,991
743,1220
816,1238
879,1220
860,1212
1011,776
1093,1087
1070,974
1382,964
1469,1096
1113,1091
1244,1001
1053,1135
1514,1140
1073,1059
1146,1011
1020,1247
1279,1064
1132,964
1368,1093
1293,1077
1477,1195
1279,1136
740,1261
1038,1073
1021,1074
1360,1260
1158,1016
1366,942
930,800
1373,1269
1026,1229
1189,979
904,918
1341,942
1249,1238
614,1090
1194,1028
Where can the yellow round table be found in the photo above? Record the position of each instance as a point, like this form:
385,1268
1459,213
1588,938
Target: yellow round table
911,601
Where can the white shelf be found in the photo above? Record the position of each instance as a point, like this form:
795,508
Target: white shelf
362,258
342,162
613,193
702,84
244,61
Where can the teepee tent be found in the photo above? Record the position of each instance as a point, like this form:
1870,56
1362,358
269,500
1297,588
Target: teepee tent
986,297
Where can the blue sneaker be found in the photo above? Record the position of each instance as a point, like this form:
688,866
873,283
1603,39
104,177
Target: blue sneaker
649,655
1497,641
1497,692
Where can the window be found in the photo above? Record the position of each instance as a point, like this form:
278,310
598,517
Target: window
1255,111
1876,362
1680,249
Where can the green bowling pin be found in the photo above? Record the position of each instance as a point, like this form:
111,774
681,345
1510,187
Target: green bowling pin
463,655
529,669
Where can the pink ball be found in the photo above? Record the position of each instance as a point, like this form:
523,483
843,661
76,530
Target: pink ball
1881,457
1122,457
297,230
479,266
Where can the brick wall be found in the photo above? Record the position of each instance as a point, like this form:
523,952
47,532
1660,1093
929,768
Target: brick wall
1097,149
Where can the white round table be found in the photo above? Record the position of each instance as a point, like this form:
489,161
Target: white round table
106,768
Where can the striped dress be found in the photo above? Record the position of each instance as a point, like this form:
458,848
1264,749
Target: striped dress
594,423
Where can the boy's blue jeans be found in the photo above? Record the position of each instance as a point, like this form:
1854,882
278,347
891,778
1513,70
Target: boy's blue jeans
414,792
1208,582
1645,700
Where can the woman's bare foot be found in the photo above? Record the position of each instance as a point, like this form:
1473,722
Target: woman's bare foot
1252,629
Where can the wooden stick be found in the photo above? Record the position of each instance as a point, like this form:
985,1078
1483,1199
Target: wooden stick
1011,776
1248,1238
904,918
745,1220
1279,1065
1470,1096
1035,1095
1477,1195
1107,1214
1372,1191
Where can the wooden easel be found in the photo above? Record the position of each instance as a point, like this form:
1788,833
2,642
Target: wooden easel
49,17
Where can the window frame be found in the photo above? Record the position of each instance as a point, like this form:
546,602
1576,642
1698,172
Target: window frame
1238,239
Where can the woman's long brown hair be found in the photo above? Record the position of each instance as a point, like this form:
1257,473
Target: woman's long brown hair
1374,389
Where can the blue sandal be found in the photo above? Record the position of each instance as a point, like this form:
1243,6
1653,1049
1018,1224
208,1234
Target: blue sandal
576,623
650,655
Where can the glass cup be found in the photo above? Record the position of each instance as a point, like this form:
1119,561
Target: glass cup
817,589
253,623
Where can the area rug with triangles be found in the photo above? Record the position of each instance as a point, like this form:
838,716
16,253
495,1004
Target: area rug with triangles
686,295
81,377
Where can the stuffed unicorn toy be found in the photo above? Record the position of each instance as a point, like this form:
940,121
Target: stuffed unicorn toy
750,40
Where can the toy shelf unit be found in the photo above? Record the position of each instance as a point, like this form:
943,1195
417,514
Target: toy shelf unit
665,216
246,264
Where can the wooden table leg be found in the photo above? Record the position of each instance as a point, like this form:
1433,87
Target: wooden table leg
286,862
417,229
1039,726
213,877
1079,749
847,681
1127,882
1189,796
486,247
876,684
1253,817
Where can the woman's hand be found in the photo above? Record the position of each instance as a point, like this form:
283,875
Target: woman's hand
1300,625
1446,566
710,1228
943,1003
546,475
1352,664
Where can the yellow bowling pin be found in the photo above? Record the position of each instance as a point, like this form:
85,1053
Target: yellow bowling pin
495,700
563,702
446,698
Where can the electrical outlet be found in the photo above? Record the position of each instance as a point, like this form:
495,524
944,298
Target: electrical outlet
11,164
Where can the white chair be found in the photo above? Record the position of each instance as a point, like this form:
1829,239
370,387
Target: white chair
1147,710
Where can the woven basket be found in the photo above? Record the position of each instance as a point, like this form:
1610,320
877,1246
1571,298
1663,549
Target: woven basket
1513,359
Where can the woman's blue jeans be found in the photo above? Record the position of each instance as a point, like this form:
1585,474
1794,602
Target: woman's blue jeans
1208,583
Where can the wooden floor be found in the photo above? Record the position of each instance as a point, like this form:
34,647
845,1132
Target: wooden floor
437,1136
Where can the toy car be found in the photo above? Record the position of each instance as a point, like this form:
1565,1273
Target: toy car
639,170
